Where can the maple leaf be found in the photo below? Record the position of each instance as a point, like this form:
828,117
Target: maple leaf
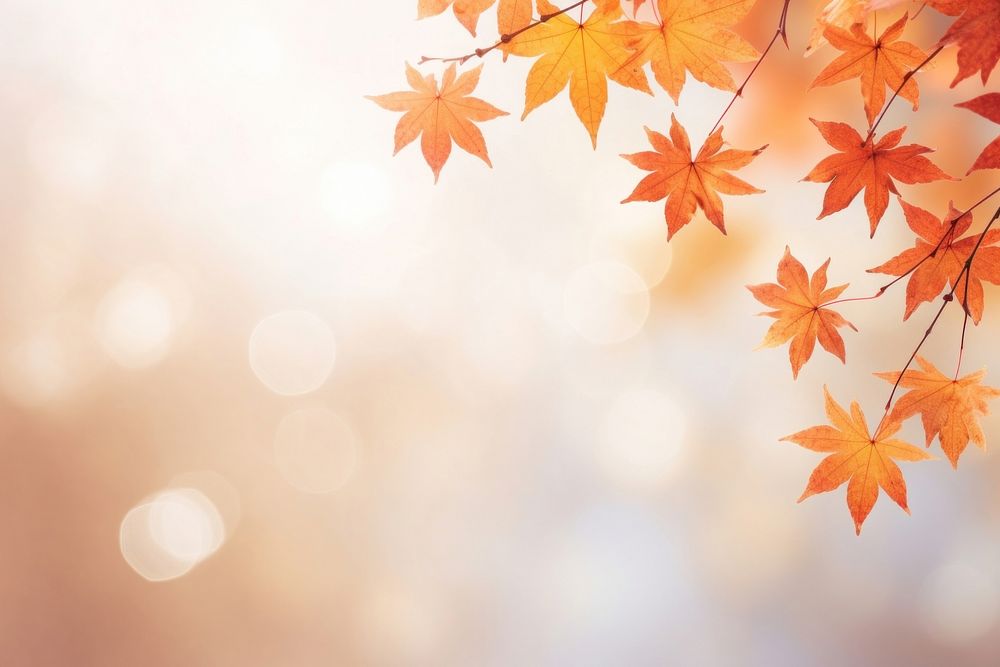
801,315
939,256
440,115
870,165
848,13
584,55
947,406
466,11
688,184
856,455
513,15
839,14
877,63
987,106
692,36
978,39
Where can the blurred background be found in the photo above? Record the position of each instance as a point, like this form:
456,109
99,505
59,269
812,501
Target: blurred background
269,396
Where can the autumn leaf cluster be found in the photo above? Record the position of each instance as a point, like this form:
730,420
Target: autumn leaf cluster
659,46
945,260
582,48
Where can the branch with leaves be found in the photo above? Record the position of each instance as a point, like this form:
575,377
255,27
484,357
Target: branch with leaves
583,45
949,407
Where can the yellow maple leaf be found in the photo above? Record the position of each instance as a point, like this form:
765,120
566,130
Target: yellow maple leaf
583,54
692,36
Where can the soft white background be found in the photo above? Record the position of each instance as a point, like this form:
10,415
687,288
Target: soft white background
508,489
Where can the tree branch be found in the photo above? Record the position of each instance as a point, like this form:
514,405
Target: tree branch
505,38
895,94
779,32
948,298
949,232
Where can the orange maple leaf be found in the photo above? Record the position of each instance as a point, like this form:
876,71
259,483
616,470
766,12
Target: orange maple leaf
466,11
584,55
947,406
870,165
848,13
440,115
692,36
976,33
877,63
987,106
856,455
939,256
801,315
688,184
513,15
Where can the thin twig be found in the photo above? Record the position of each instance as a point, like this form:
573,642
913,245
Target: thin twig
965,326
895,94
967,269
934,251
507,37
948,298
779,32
